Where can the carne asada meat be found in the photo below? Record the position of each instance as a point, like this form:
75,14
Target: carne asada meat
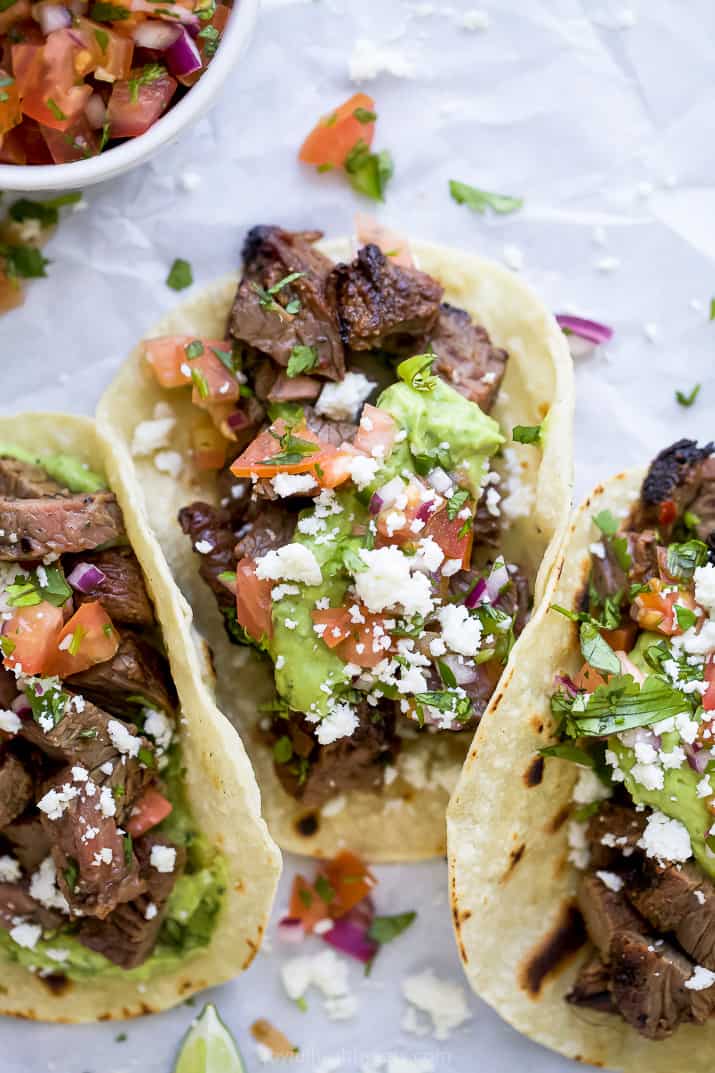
25,480
381,304
317,772
18,905
674,480
266,526
80,737
28,841
466,358
8,688
136,674
679,899
34,528
703,505
127,936
262,319
122,593
207,525
605,912
16,787
592,987
613,834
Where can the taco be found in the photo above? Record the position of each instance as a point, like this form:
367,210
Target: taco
322,471
134,866
581,834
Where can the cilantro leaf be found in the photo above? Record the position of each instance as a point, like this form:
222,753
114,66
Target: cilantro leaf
180,275
622,704
301,360
103,11
683,559
364,115
481,200
567,751
194,349
417,371
606,522
24,262
152,72
596,651
526,434
283,750
456,502
46,212
686,618
689,399
368,172
385,929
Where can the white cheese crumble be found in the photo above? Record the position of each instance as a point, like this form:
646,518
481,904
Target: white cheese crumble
461,631
368,60
650,776
701,979
151,911
9,869
54,802
27,935
342,400
705,587
149,436
666,839
44,889
326,971
444,1001
340,722
363,470
292,562
122,739
158,727
163,858
10,723
429,555
611,880
388,582
107,805
589,788
292,484
169,462
203,547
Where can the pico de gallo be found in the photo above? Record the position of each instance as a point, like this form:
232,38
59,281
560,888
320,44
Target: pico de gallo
77,78
638,718
356,538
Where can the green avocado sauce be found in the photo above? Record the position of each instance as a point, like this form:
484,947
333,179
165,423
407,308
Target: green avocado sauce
443,428
67,470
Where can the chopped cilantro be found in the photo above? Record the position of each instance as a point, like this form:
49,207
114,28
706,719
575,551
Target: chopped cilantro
526,434
152,72
27,591
194,349
128,850
686,618
7,646
146,756
683,559
78,636
24,262
447,675
212,38
180,275
606,522
566,751
226,359
596,650
306,897
301,360
323,168
385,929
364,115
46,212
417,372
689,399
266,298
55,109
102,11
456,502
620,705
102,39
481,200
324,889
368,172
293,449
5,5
71,873
46,702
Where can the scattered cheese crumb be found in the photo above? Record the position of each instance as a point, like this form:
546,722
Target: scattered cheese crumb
444,1001
342,400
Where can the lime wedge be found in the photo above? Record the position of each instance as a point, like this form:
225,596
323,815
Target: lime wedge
209,1047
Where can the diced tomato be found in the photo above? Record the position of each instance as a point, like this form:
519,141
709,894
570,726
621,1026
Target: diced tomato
392,243
12,149
376,433
655,610
306,904
667,512
47,80
172,367
622,638
213,383
588,678
208,444
10,111
11,293
335,467
330,142
34,632
455,543
709,694
107,54
26,145
350,879
253,601
88,637
360,647
337,624
266,446
151,808
78,142
131,112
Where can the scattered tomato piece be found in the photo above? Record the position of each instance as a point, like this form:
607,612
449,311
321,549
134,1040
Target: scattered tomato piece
30,637
151,808
338,132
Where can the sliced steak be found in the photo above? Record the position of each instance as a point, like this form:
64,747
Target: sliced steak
703,505
25,480
136,674
80,737
316,772
8,687
592,987
648,984
466,358
675,477
123,593
269,255
16,788
607,575
613,834
28,840
643,550
205,524
16,903
128,935
33,528
381,304
266,526
294,389
679,900
605,912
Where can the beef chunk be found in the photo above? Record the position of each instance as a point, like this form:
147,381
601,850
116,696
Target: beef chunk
16,901
270,254
592,987
266,526
648,985
465,356
127,936
643,550
679,900
16,788
25,480
123,593
381,304
28,841
605,912
703,505
607,575
613,833
316,772
675,475
136,673
333,432
204,523
8,687
294,389
33,528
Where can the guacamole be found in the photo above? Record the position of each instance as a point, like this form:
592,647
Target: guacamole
67,470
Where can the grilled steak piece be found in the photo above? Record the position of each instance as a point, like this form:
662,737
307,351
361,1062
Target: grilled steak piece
80,737
605,912
592,987
648,985
269,255
33,528
136,673
613,833
643,550
316,772
679,900
294,389
466,358
8,687
123,593
675,476
205,524
16,902
28,841
24,480
16,788
266,526
607,575
381,304
703,505
127,936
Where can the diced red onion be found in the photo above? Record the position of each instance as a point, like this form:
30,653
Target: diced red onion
96,110
697,758
183,56
583,335
349,934
156,34
465,672
86,577
291,930
567,683
498,578
21,705
475,596
425,511
237,420
376,503
52,17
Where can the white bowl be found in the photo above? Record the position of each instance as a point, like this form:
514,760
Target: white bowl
112,162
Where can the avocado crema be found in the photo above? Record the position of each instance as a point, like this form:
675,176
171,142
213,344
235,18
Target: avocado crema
639,718
102,870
